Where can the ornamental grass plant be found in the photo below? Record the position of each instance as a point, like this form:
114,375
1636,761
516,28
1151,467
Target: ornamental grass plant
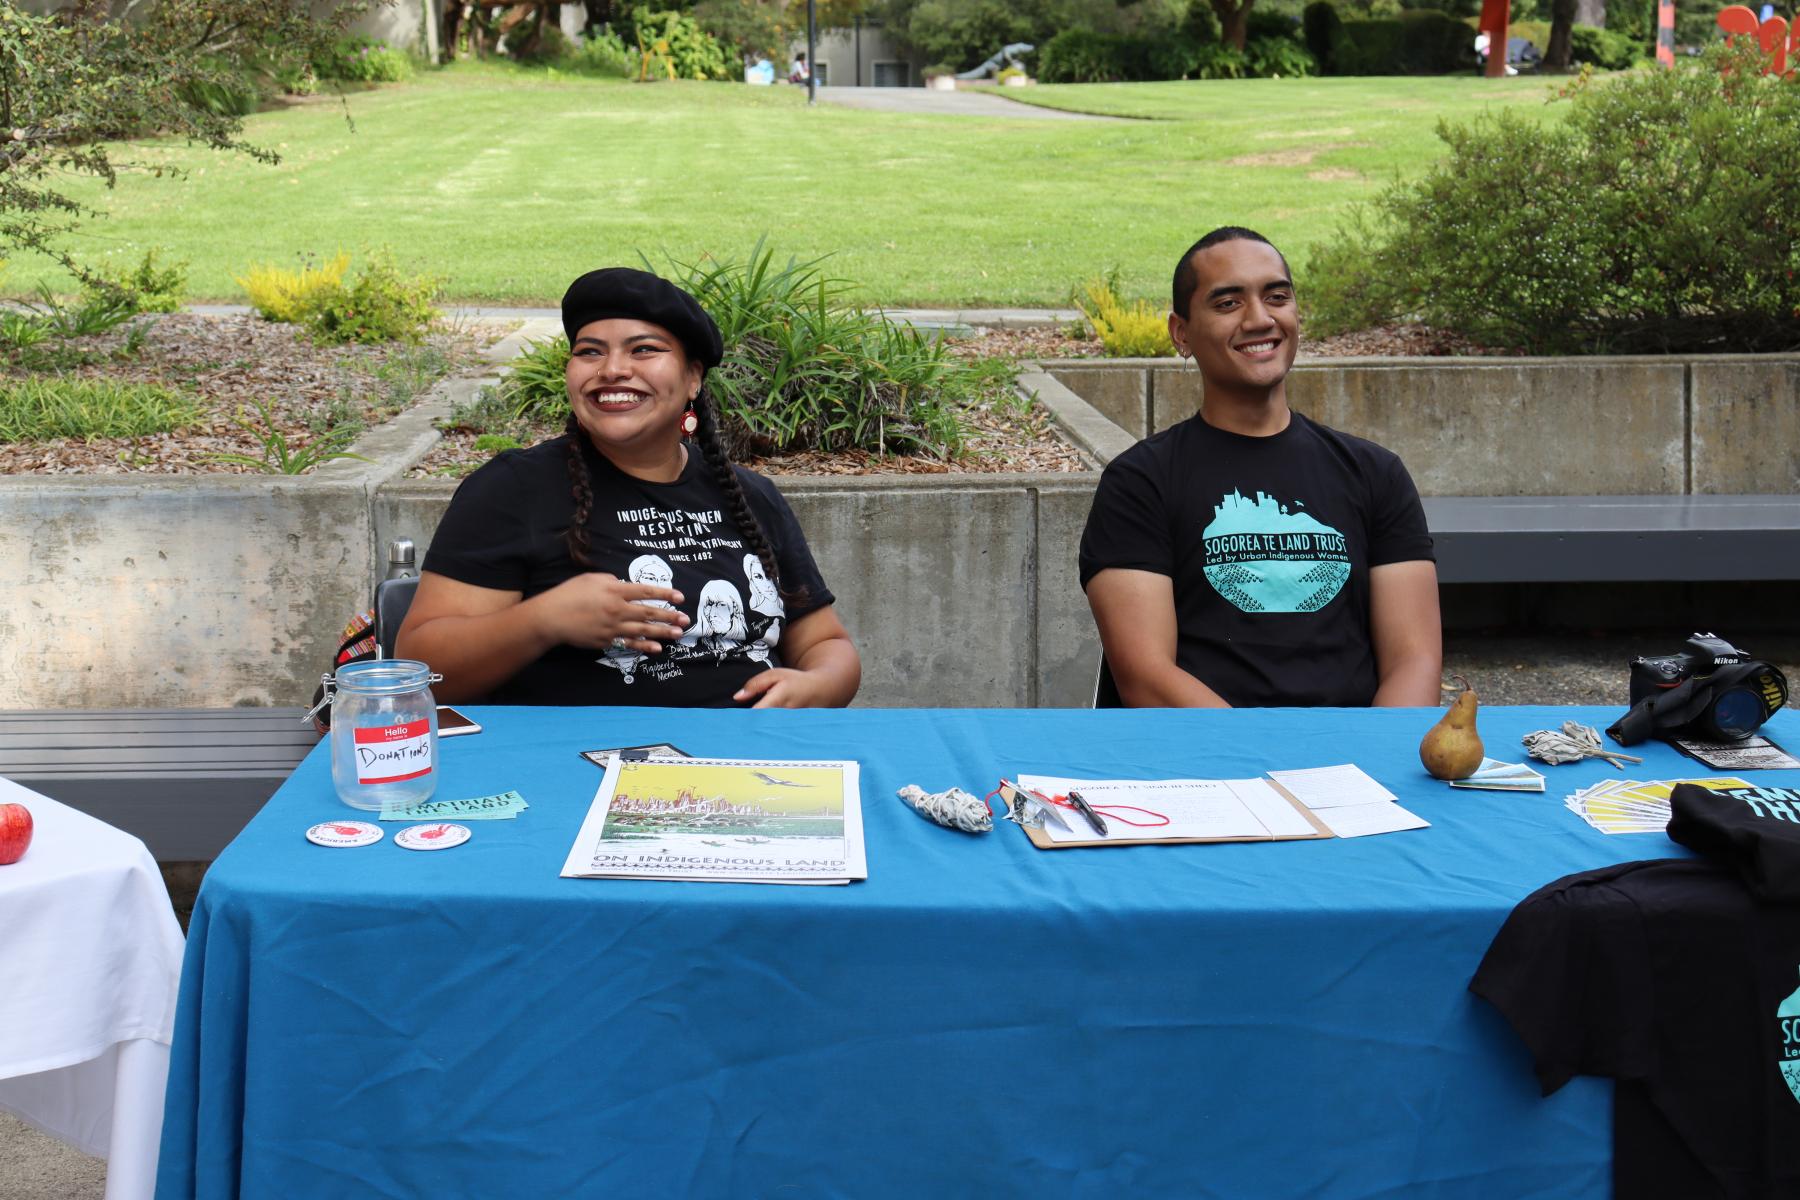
803,370
1663,216
43,409
806,370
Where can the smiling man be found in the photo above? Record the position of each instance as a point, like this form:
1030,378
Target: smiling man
1250,556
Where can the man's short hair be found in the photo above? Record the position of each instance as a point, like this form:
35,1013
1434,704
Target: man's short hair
1185,275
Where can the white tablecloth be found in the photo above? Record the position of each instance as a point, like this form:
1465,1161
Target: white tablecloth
90,961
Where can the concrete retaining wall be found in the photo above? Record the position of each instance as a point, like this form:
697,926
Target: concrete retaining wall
126,592
960,591
1521,427
175,593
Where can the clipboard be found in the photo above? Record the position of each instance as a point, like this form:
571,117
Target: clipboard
1042,840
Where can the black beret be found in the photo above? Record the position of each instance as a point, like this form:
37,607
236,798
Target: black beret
641,296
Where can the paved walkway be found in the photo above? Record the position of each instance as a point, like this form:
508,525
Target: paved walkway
956,104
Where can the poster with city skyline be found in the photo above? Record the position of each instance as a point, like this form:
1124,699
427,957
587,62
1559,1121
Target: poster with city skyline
755,820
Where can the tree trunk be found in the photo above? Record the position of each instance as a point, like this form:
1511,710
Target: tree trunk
599,15
1562,19
1234,21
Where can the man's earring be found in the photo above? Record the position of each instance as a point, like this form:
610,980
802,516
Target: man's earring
690,424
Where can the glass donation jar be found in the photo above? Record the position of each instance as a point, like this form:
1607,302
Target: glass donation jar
384,733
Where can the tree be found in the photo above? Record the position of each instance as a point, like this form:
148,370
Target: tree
1562,21
1234,21
768,27
75,81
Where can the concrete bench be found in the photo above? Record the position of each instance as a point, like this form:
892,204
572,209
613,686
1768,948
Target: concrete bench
1599,539
185,780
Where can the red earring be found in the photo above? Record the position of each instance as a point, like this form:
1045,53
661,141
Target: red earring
690,424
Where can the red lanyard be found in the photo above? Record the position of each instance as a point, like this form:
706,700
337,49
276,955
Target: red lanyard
1112,810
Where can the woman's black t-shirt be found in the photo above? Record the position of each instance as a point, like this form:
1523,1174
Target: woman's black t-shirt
1268,542
505,529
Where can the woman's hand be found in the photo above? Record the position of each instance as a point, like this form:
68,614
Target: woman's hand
593,609
826,668
784,687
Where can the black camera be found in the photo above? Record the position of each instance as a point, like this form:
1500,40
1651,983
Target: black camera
1711,691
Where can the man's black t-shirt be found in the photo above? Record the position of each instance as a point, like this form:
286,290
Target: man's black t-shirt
505,530
1670,978
1268,542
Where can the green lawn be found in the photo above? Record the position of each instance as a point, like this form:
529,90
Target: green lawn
509,183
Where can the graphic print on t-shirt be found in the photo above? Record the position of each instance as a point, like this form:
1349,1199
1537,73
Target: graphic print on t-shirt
721,628
1265,558
650,569
1788,1014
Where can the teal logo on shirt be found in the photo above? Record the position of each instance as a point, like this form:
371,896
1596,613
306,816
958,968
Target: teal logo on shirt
1263,557
1788,1013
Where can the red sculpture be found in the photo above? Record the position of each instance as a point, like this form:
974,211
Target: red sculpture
1773,35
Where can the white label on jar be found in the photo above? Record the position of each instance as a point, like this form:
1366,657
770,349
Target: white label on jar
393,753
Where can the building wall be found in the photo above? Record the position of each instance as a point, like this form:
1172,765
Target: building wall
851,56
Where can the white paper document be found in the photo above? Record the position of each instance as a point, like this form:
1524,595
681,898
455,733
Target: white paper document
1361,820
1322,788
1172,808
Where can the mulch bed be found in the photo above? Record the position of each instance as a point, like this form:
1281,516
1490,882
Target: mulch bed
232,362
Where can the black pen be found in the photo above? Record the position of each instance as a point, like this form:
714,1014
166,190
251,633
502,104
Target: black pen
1086,810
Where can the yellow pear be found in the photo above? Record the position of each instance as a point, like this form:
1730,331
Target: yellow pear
1452,748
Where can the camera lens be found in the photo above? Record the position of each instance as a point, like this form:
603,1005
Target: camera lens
1737,713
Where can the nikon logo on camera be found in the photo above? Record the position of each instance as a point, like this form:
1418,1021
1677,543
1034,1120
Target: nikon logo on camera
1774,694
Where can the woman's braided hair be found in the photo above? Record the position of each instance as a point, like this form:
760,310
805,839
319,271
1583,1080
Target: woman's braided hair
712,446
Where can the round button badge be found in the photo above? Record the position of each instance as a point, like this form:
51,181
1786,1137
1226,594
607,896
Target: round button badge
431,837
344,833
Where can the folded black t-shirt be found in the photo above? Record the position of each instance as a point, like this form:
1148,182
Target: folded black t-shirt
1755,831
505,529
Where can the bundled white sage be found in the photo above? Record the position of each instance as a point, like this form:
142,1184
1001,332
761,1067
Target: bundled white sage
954,809
1572,743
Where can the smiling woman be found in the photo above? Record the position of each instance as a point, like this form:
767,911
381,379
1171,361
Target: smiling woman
610,565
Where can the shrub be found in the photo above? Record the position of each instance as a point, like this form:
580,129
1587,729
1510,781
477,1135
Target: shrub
151,286
1219,61
35,410
1605,49
1422,42
602,53
278,294
225,93
1135,330
359,59
383,305
1084,56
1283,57
549,46
690,50
1271,24
1634,20
1658,217
1322,27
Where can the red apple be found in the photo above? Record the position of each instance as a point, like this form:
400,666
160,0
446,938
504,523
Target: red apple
15,832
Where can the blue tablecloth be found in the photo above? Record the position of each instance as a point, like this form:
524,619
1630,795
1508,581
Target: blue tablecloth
978,1018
